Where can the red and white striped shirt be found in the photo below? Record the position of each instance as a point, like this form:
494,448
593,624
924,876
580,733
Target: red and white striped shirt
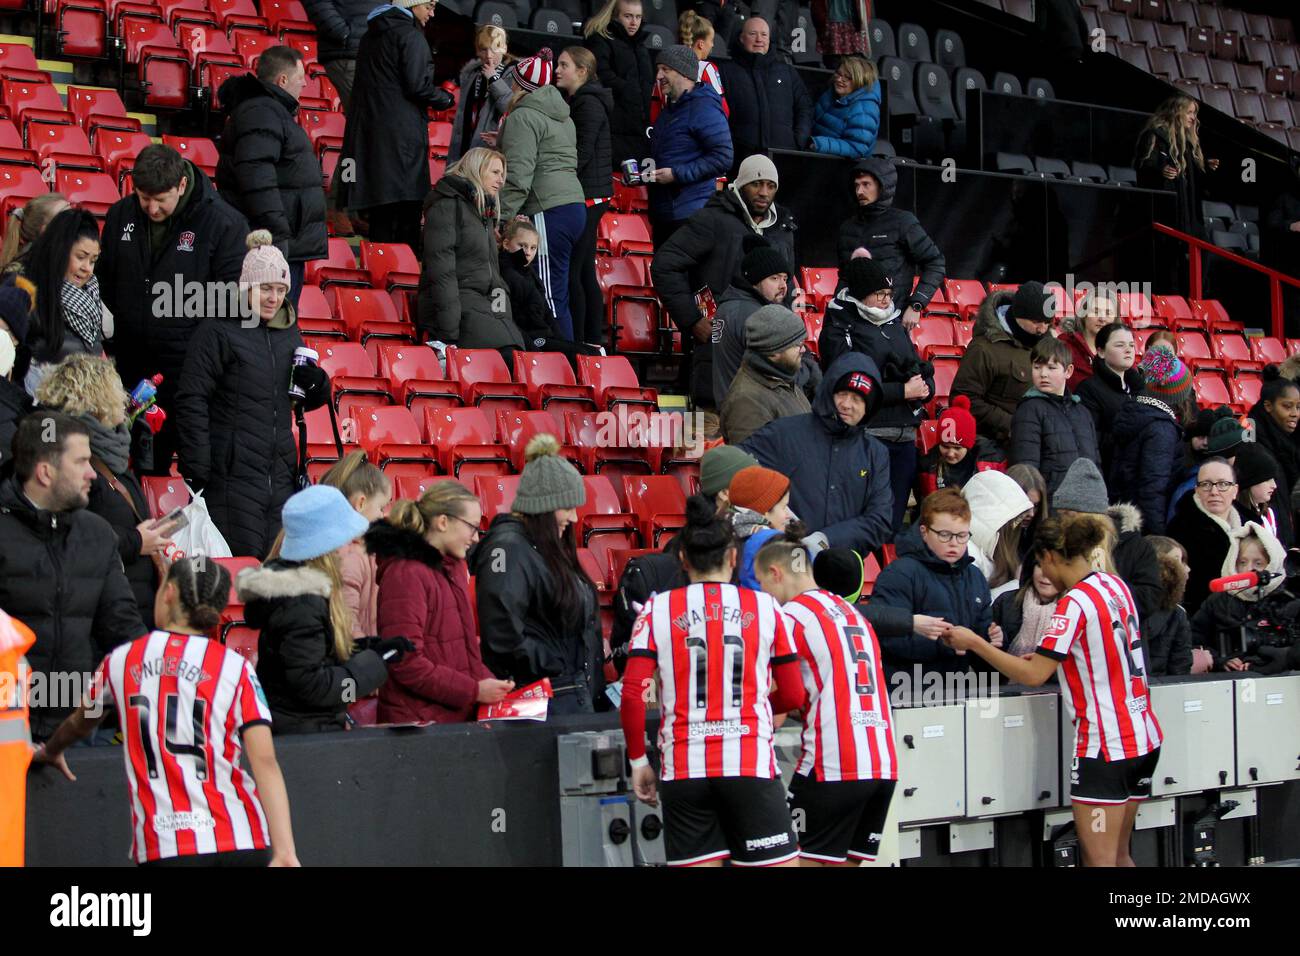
715,645
183,703
847,731
1094,635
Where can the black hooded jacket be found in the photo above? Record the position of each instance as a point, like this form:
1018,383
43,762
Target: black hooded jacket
340,24
770,106
1104,393
894,238
138,283
268,169
839,475
60,574
234,418
1282,445
626,68
591,109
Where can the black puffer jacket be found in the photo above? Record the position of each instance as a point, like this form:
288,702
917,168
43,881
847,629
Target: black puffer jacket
307,687
1104,393
1285,449
1136,560
770,106
846,329
1146,457
523,636
107,502
708,249
388,128
528,304
893,236
234,418
205,244
340,24
626,68
463,299
591,109
14,404
268,169
1050,432
60,574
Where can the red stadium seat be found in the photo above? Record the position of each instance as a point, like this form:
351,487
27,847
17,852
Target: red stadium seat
624,235
367,313
439,139
139,32
82,28
18,56
596,573
233,13
119,148
600,451
164,75
1171,308
353,374
164,494
390,264
933,337
339,267
619,560
517,428
1245,391
325,129
66,146
94,192
322,448
1135,306
392,440
927,435
465,440
21,183
416,377
870,571
602,522
966,294
820,283
234,566
1214,314
628,199
496,495
405,486
198,150
243,641
1268,349
1211,389
658,503
1233,350
250,44
1195,351
485,380
548,378
614,382
945,370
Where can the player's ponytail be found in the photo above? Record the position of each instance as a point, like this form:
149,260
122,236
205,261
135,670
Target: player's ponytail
203,586
1076,535
707,537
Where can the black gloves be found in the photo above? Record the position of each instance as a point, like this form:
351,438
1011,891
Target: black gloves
391,649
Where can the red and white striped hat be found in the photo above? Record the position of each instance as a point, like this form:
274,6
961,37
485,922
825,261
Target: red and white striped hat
535,71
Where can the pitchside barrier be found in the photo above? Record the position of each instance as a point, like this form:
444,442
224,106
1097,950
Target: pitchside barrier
984,781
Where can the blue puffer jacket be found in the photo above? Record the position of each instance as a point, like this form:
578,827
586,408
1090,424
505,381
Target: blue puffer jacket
920,583
1147,456
839,475
847,127
691,137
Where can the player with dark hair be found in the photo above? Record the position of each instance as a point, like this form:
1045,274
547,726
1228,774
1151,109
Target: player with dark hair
188,708
718,649
1094,640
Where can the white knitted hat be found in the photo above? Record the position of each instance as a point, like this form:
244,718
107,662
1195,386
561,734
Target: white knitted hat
264,263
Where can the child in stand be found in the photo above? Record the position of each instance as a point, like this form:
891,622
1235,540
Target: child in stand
191,803
1024,614
369,492
960,452
760,509
1050,427
1166,631
519,241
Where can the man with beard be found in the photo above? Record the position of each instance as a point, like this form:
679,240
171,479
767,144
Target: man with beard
60,573
765,388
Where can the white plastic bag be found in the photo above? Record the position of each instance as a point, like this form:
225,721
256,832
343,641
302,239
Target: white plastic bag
200,535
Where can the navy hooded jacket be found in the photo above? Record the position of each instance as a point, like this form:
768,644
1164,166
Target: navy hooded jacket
921,583
690,137
839,475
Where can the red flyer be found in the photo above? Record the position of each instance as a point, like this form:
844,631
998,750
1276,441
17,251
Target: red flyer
524,703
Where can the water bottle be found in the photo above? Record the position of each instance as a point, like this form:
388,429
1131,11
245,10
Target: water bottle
302,356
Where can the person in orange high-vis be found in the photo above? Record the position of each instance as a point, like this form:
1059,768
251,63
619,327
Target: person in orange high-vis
15,737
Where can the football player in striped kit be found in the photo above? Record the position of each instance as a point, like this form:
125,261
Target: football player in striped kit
845,777
189,707
1094,641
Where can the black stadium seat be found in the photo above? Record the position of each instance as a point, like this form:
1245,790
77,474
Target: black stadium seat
934,92
1014,163
1006,83
808,52
1089,172
1056,168
881,35
913,43
552,21
659,38
900,82
1039,88
661,13
966,80
949,51
1122,175
496,13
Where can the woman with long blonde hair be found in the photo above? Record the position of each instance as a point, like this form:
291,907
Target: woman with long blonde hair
463,299
308,662
424,595
625,65
88,389
25,225
368,491
1169,157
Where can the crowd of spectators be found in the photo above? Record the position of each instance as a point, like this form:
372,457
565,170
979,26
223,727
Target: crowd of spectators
413,600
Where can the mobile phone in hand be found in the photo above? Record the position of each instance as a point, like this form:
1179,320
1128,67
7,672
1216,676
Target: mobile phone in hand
176,517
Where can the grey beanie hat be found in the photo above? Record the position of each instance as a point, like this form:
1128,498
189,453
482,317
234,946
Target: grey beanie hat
1082,489
772,329
682,59
719,465
548,482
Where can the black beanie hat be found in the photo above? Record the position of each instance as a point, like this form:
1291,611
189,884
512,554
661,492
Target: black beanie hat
763,261
863,276
1254,465
1033,303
